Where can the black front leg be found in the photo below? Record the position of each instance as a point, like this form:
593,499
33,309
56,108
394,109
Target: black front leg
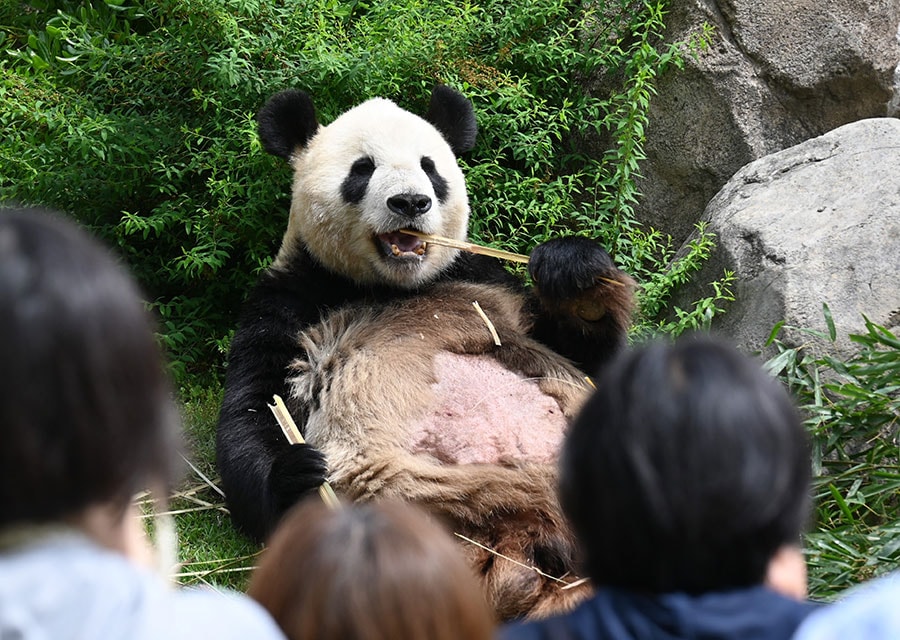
262,474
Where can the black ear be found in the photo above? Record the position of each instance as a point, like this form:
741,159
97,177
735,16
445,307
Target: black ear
286,121
453,115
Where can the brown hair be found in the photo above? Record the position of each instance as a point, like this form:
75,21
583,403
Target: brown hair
86,414
373,571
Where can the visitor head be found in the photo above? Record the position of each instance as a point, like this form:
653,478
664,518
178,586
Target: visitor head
86,414
688,470
370,571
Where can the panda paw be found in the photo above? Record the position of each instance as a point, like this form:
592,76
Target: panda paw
296,472
575,276
563,267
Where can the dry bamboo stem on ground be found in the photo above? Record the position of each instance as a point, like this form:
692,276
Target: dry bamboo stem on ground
292,433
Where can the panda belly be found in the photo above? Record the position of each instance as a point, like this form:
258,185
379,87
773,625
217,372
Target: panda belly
482,412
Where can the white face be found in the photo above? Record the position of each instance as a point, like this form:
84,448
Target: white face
375,170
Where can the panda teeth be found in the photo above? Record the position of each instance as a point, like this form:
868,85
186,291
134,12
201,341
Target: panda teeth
419,251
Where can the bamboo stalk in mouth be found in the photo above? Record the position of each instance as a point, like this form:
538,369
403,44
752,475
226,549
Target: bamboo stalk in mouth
484,251
467,246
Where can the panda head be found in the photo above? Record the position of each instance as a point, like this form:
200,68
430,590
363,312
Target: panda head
375,170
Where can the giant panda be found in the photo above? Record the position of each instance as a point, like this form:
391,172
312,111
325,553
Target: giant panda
396,381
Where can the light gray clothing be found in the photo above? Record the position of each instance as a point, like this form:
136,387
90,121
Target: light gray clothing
868,612
63,587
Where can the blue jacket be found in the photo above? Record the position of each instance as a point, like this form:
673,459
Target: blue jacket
746,614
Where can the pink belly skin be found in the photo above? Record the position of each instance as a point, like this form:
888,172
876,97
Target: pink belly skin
484,412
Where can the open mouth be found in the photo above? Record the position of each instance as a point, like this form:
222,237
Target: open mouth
396,244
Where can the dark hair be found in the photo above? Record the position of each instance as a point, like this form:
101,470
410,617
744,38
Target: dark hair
86,414
373,571
685,471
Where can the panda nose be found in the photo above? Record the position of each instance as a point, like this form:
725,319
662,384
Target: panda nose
409,204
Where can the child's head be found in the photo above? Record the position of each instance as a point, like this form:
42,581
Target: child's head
686,471
85,411
374,571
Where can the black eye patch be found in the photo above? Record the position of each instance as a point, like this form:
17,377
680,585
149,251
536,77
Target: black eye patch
437,180
353,188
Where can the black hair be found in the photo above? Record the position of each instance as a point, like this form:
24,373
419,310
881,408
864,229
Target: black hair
86,414
685,471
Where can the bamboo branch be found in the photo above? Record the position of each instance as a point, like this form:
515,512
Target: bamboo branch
505,557
293,435
487,321
484,251
466,246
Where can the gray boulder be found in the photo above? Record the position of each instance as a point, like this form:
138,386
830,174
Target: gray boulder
779,72
816,223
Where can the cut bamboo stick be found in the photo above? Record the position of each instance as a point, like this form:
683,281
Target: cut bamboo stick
293,435
487,321
505,557
466,246
484,251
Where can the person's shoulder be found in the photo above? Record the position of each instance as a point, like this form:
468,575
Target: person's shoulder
63,585
160,609
220,613
784,614
578,624
519,631
867,612
524,631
